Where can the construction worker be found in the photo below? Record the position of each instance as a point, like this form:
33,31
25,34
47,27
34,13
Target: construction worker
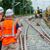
37,15
46,13
1,21
40,13
11,31
38,10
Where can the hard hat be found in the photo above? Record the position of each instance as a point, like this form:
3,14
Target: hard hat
1,10
9,12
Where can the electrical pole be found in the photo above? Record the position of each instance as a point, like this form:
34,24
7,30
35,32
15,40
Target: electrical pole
23,6
17,3
13,4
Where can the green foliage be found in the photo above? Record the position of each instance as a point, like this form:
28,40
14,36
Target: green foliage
23,8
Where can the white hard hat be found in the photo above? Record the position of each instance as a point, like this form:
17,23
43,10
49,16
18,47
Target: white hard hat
9,12
1,10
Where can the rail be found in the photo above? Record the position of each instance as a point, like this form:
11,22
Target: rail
43,33
23,40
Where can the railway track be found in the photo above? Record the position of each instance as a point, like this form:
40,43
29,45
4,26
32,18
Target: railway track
41,33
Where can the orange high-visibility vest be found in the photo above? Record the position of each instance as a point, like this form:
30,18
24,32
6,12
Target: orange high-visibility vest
7,30
0,32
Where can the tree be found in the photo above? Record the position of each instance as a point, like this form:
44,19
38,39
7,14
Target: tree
22,8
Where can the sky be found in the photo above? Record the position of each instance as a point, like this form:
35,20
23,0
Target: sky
41,3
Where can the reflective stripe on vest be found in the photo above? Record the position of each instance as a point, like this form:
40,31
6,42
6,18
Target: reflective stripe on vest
12,34
13,29
0,33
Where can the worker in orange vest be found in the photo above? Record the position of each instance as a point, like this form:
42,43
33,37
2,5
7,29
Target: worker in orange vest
1,21
11,31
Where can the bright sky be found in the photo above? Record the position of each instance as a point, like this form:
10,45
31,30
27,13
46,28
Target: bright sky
41,3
